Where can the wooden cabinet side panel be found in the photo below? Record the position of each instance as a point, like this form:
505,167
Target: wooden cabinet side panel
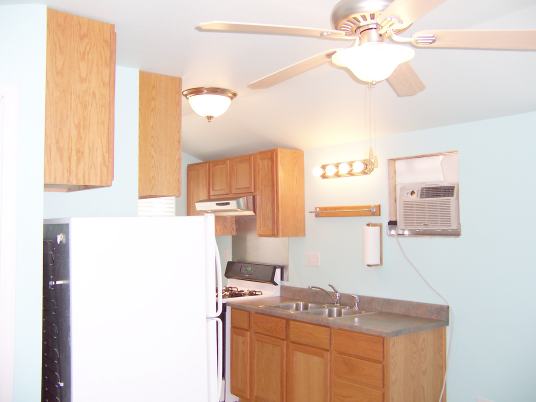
268,368
240,360
79,102
416,366
241,174
159,135
196,186
290,193
266,194
307,374
219,178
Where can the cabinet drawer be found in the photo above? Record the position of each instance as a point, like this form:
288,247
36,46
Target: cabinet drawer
309,334
268,325
345,392
357,371
239,319
357,344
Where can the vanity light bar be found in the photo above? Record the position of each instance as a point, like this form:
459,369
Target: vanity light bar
344,169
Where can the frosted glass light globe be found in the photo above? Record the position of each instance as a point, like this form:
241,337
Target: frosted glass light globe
344,168
373,61
358,167
331,170
317,171
209,105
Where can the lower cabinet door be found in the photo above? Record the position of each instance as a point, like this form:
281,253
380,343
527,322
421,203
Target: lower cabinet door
268,361
240,369
307,374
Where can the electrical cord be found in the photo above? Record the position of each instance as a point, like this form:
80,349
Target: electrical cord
443,298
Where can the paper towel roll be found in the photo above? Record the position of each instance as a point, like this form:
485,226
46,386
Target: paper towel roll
372,245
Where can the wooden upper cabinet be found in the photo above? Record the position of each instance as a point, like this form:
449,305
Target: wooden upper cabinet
274,177
241,174
219,178
279,185
159,173
79,105
197,187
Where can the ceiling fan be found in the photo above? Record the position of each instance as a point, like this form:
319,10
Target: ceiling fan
379,52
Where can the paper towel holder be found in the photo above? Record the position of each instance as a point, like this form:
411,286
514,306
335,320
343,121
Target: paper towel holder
378,225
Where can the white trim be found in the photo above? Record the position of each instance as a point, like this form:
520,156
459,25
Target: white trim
8,191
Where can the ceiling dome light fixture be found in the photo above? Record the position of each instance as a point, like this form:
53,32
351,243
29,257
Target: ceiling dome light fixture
209,102
373,61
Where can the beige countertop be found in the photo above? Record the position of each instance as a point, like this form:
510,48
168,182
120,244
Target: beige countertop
375,323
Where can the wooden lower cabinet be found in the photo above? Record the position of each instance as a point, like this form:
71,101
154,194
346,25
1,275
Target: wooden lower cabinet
278,360
268,368
240,370
307,374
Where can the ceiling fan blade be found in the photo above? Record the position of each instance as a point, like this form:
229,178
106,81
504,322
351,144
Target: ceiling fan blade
405,81
408,11
477,39
292,70
222,26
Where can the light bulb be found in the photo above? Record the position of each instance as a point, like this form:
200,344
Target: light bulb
344,168
373,61
330,170
358,167
317,171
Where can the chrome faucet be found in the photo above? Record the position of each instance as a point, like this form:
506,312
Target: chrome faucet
356,302
336,297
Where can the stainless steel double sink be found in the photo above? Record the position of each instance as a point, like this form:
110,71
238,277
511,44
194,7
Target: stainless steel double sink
322,310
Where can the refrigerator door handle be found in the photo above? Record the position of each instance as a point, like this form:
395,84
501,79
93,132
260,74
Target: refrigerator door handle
219,281
219,382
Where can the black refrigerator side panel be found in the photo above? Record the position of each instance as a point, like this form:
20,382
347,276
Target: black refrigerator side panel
56,354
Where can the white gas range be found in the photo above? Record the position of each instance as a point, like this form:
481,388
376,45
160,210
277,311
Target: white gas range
245,281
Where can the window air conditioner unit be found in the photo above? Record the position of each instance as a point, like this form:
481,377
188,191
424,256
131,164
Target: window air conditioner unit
428,209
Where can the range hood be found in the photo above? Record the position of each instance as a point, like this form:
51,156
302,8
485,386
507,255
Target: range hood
228,206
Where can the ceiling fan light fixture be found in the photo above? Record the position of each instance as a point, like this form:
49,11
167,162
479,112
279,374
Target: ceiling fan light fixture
209,102
373,61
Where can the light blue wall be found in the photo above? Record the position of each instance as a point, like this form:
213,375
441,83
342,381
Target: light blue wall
121,198
22,66
488,274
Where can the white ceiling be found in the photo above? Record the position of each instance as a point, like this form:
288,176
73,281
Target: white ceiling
322,106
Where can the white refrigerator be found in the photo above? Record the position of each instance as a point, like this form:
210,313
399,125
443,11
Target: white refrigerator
141,309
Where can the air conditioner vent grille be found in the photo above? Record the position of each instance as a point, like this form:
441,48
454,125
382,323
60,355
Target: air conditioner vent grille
427,214
437,192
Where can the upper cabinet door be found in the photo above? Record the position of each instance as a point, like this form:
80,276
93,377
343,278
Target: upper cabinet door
219,178
79,106
241,174
159,173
